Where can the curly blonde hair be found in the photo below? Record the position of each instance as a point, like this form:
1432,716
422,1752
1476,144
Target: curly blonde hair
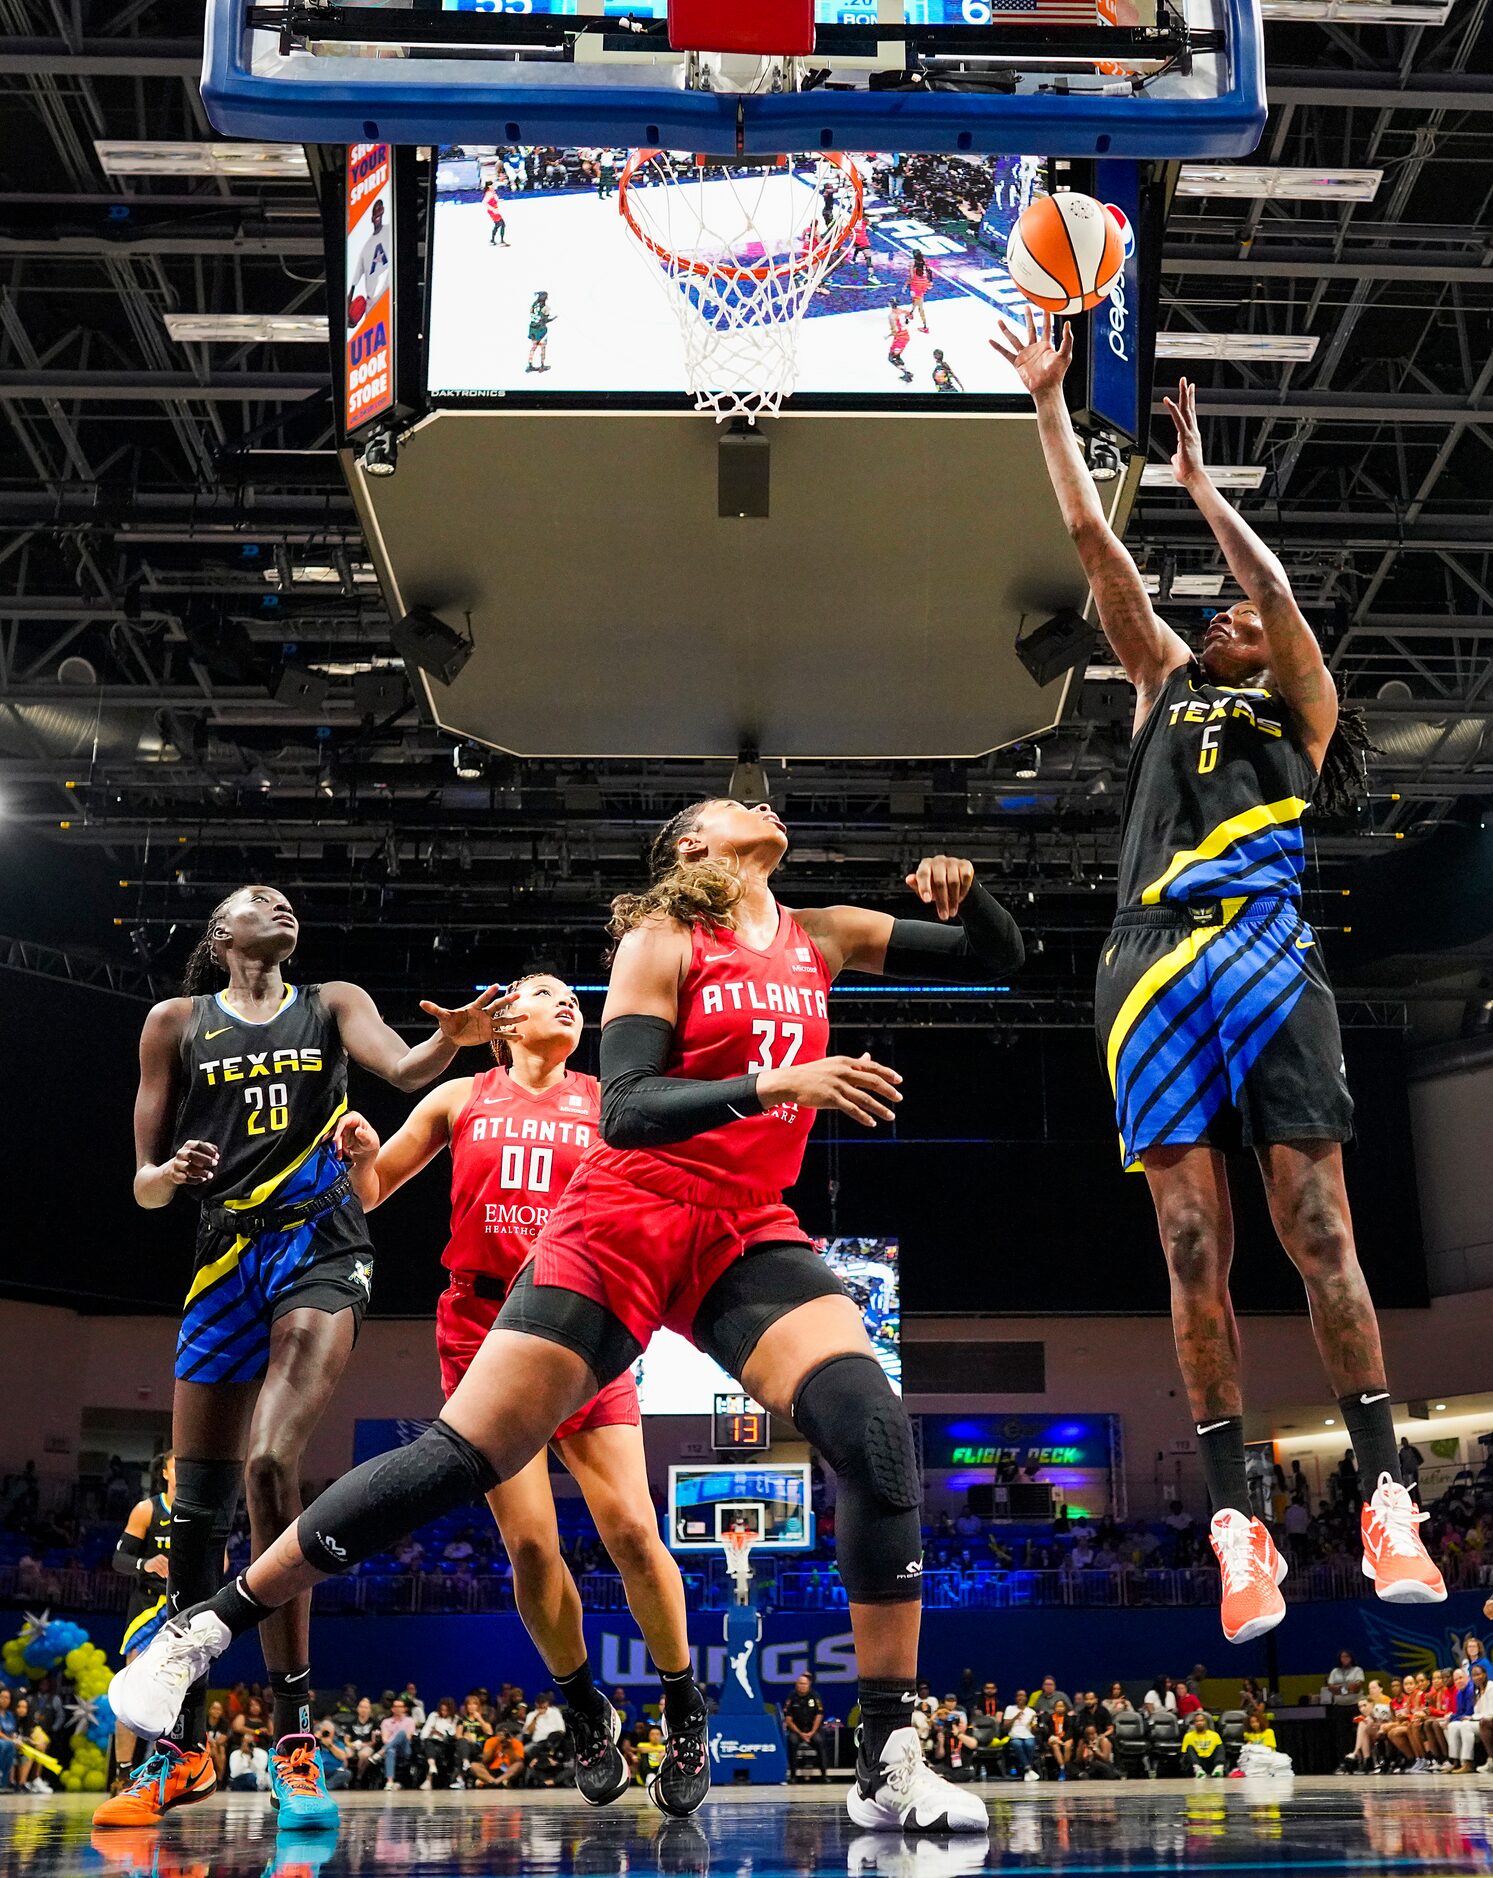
696,893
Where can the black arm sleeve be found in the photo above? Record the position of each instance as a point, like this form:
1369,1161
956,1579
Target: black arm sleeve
129,1555
987,940
643,1108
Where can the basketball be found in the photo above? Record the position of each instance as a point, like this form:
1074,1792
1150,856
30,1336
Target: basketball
1065,253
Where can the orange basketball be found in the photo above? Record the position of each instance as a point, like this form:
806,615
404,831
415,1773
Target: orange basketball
1065,253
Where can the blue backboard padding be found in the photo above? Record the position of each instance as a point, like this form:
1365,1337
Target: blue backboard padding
406,104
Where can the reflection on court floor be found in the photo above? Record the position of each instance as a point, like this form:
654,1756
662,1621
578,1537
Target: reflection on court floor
1240,1827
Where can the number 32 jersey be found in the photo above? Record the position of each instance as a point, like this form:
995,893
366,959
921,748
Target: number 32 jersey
267,1095
740,1010
512,1156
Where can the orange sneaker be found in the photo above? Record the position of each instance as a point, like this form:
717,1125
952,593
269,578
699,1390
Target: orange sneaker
167,1778
1252,1571
1394,1555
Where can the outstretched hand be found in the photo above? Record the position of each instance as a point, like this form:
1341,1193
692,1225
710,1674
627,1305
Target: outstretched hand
942,881
1039,364
355,1139
1187,458
484,1020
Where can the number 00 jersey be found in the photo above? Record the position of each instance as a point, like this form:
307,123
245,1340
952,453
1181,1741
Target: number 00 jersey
512,1156
267,1095
740,1010
1217,785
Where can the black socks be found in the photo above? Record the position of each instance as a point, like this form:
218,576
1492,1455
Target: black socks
579,1692
886,1705
237,1607
1221,1445
290,1693
1368,1416
683,1703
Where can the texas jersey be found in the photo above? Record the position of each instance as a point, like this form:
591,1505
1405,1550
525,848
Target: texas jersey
267,1095
147,1601
512,1155
1217,785
741,1010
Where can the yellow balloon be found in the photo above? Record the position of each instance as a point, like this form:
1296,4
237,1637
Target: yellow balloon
94,1782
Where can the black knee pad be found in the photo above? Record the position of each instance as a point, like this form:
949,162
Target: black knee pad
849,1411
378,1503
202,1513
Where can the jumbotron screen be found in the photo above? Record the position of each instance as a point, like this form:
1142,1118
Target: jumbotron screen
538,287
674,1378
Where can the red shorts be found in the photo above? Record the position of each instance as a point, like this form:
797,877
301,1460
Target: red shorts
650,1256
462,1320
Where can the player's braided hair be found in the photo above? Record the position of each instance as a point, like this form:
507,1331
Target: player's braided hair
696,893
203,963
1343,785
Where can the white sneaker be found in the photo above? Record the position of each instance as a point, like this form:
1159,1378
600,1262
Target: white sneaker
147,1694
38,1786
874,1853
903,1794
1031,1774
391,1786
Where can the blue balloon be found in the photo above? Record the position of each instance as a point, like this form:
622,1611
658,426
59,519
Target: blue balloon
103,1714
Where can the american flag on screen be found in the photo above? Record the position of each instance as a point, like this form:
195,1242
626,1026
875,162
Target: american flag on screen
1044,13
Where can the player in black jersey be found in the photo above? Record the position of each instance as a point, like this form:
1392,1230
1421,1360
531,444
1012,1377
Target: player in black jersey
241,1089
1216,1021
142,1556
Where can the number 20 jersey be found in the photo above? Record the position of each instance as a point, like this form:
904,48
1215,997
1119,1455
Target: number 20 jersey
741,1010
267,1095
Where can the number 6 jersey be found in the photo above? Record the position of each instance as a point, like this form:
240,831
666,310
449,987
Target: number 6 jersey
267,1095
512,1156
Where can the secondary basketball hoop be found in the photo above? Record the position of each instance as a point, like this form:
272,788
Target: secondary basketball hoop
741,247
737,1545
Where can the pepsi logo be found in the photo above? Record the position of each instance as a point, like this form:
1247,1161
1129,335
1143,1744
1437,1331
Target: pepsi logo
1126,228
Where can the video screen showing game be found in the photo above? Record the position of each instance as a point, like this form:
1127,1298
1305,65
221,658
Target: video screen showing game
674,1378
538,286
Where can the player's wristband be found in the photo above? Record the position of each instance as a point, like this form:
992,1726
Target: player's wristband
643,1108
987,940
129,1555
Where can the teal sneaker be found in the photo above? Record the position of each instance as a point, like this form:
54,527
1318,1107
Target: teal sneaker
298,1792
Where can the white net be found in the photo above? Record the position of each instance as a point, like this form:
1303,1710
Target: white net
740,251
738,1548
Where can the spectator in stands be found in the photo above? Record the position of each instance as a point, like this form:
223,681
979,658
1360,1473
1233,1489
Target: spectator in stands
969,1525
627,1714
1257,1730
650,1753
803,1720
1253,1694
1346,1681
1188,1702
413,1703
1482,1713
1411,1462
992,1738
1440,1703
502,1761
1056,1733
255,1725
545,1721
363,1741
1161,1695
335,1756
473,1731
988,1702
1092,1713
460,1550
1345,1483
1021,1750
1050,1695
1297,1523
1202,1748
438,1736
1402,1730
1179,1523
512,1702
1094,1755
217,1740
397,1732
8,1755
248,1766
1460,1725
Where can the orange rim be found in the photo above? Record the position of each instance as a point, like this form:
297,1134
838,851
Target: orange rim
820,253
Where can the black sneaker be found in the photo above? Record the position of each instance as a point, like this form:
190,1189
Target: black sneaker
683,1776
600,1772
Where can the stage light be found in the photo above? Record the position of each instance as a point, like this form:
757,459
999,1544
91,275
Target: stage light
1028,763
466,760
1259,181
1361,12
1221,475
275,162
200,329
1259,348
1056,646
380,456
748,780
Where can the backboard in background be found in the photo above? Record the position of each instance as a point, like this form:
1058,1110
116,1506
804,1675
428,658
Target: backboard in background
912,75
773,1502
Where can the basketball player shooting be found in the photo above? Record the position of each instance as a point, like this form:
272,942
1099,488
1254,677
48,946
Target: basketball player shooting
1216,1019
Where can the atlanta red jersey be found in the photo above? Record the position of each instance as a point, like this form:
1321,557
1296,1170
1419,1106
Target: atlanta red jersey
512,1156
740,1010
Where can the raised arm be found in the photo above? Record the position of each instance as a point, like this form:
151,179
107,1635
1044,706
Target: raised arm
642,1107
1297,667
1145,645
370,1042
159,1170
976,937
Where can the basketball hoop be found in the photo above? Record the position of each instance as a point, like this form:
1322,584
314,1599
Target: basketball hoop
742,246
738,1549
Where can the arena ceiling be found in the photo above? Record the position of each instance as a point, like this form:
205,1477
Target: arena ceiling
160,499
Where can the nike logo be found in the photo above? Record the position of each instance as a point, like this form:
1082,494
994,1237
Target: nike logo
1208,1428
489,1100
181,1519
1383,1396
1109,957
208,1035
716,958
1303,945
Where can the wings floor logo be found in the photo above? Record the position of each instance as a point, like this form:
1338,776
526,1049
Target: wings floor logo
1400,1648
